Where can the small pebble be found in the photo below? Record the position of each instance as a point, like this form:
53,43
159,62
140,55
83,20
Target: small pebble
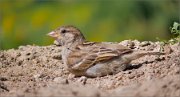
36,76
128,43
144,43
131,76
71,76
82,80
61,80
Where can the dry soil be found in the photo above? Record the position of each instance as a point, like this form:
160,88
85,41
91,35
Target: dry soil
38,71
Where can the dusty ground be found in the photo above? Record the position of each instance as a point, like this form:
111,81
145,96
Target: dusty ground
38,71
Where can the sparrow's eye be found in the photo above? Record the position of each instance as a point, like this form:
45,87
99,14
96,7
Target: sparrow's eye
63,31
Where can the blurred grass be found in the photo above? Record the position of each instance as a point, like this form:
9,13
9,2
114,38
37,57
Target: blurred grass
28,21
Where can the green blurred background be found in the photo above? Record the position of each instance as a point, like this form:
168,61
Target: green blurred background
28,21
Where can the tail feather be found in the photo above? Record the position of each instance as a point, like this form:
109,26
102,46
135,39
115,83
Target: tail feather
137,54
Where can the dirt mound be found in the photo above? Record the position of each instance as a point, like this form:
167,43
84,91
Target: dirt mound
39,71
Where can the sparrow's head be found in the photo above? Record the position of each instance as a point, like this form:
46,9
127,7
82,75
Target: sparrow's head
67,35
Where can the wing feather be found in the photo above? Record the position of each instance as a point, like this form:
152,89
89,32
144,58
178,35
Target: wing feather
95,54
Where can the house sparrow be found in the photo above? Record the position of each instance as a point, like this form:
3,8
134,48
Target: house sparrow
93,59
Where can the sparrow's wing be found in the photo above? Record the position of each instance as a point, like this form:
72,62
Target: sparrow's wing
90,55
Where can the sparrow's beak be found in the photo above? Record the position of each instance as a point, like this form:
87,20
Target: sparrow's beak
54,34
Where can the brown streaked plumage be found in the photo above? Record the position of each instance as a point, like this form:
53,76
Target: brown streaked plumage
93,58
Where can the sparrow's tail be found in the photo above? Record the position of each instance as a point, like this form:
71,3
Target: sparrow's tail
137,54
